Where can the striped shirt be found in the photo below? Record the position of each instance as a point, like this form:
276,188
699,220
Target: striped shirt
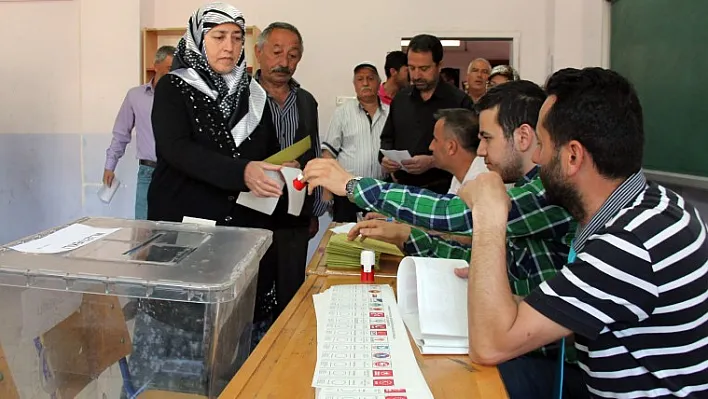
637,295
354,138
286,120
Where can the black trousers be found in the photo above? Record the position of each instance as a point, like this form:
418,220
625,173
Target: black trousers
284,266
344,211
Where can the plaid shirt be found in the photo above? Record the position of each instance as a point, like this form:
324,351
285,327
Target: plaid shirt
538,234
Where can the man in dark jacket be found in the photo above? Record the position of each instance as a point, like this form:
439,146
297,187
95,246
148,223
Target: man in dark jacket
294,111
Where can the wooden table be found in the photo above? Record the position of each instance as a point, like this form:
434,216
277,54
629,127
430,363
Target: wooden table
388,264
284,361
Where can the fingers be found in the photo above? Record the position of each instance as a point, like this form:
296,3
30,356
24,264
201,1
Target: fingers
269,166
373,215
462,272
356,230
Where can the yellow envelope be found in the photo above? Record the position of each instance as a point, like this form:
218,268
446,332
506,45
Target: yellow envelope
291,153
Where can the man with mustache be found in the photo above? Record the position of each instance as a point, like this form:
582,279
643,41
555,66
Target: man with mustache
354,135
411,117
279,50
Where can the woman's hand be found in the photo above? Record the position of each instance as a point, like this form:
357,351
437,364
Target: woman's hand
259,183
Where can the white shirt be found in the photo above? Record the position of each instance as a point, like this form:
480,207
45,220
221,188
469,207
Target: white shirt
476,168
354,138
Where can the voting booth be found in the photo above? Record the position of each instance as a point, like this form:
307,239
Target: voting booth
109,308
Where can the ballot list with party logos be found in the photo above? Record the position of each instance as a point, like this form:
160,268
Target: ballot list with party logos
363,351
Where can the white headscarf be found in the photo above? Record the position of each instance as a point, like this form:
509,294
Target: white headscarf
228,90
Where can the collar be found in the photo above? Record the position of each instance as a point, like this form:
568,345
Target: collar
148,86
438,92
532,174
361,107
294,84
628,190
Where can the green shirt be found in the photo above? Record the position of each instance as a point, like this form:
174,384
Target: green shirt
538,234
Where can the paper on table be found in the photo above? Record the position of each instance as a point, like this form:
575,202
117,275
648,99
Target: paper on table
433,301
291,153
267,205
363,350
397,156
66,239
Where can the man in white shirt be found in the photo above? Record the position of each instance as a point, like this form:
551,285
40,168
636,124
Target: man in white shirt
354,135
454,145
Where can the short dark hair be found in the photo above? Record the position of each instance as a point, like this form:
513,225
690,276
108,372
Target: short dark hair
265,34
396,60
519,103
600,109
427,44
463,124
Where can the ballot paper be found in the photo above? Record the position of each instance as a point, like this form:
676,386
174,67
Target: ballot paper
341,252
284,177
64,240
433,304
397,156
343,229
363,350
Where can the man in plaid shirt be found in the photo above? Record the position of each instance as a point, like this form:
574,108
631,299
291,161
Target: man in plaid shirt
538,234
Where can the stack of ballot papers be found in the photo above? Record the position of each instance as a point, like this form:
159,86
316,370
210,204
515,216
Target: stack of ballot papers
433,304
343,253
363,351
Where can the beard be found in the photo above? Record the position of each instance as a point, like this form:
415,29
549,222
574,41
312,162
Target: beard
560,192
511,172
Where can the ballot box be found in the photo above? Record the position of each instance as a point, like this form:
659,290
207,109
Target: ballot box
114,308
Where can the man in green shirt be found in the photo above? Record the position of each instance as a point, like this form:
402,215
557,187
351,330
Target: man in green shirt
539,234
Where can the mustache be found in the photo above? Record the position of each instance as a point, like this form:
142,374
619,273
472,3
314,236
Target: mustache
281,69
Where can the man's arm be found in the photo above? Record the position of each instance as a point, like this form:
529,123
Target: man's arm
530,212
502,329
420,243
122,128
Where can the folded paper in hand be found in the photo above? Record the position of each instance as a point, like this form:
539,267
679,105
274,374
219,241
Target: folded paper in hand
433,303
267,205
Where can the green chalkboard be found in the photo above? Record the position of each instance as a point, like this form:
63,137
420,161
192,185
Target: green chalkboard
662,47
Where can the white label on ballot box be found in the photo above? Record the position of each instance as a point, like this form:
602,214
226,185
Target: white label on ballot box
64,240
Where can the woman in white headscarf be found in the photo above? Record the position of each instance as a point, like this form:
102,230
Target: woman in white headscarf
212,130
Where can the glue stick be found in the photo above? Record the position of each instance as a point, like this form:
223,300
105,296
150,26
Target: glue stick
368,259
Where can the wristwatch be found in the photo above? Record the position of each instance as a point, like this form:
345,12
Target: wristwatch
349,188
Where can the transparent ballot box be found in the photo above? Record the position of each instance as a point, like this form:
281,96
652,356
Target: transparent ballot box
113,308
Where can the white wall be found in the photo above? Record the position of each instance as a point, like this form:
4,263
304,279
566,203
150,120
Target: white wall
367,29
66,66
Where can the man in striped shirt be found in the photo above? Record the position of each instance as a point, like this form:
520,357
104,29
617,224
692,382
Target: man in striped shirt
636,295
539,233
354,135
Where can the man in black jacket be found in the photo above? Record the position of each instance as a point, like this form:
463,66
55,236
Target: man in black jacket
294,110
411,118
